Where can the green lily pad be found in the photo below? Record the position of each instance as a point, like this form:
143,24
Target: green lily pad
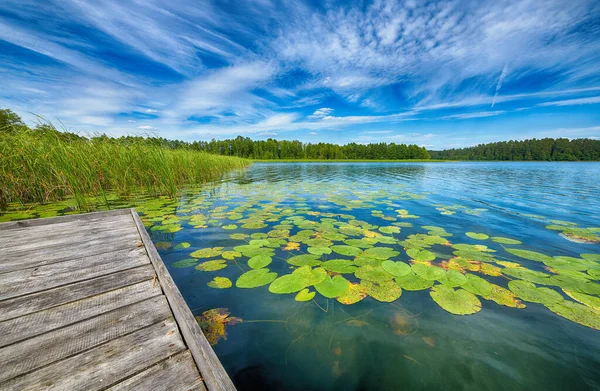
373,273
332,287
386,291
477,236
339,266
254,225
457,302
313,276
577,313
527,275
211,266
420,255
428,272
346,250
591,257
412,282
255,278
220,283
305,295
381,252
259,242
319,250
238,236
397,269
529,292
390,229
249,250
453,278
229,227
259,261
477,285
502,240
354,294
304,259
207,252
181,246
594,273
184,263
289,283
531,255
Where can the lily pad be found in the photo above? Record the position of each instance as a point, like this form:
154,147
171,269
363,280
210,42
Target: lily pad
319,250
305,295
591,257
184,263
390,230
527,275
381,252
354,294
477,285
457,302
531,255
397,269
504,297
181,246
412,282
386,291
428,272
346,250
339,266
477,236
211,266
313,276
373,273
259,261
577,313
333,287
502,240
289,283
420,255
529,292
231,255
220,283
304,260
207,252
588,300
230,227
255,278
453,279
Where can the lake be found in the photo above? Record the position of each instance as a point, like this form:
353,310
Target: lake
386,276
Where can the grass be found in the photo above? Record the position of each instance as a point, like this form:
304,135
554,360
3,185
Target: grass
348,161
46,166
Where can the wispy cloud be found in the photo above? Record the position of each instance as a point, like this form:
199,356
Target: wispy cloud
573,102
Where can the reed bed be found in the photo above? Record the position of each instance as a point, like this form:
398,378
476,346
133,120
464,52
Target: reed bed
46,166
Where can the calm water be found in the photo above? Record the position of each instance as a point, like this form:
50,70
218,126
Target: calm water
410,343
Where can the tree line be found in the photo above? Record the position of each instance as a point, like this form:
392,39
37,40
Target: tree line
546,149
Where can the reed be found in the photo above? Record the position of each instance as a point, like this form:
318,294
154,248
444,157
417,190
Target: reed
42,166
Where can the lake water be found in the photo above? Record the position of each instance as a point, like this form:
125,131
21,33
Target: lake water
512,246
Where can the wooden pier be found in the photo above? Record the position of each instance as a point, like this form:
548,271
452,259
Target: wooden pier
86,303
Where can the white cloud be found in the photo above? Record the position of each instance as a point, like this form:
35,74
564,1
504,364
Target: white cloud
481,114
151,111
321,113
573,102
145,127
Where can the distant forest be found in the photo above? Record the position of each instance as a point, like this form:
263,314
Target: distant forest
547,149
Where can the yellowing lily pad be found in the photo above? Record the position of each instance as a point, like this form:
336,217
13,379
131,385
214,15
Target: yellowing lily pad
231,255
229,227
354,294
577,313
332,287
457,302
390,230
255,278
207,252
386,291
220,283
211,266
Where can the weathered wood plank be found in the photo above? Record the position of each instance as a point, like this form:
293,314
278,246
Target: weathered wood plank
43,256
31,354
29,326
24,305
215,376
56,237
23,282
63,219
67,228
176,373
89,371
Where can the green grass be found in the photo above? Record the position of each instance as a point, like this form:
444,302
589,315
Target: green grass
348,161
46,166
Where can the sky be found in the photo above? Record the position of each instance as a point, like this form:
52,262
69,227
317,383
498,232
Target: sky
440,74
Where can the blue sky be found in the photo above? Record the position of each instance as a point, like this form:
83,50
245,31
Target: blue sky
441,74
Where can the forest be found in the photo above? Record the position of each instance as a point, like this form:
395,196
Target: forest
546,149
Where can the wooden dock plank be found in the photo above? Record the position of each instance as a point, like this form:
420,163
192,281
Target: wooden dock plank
44,349
22,282
88,370
24,305
176,373
29,326
74,218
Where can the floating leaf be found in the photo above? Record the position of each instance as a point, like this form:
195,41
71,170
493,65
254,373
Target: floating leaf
531,255
207,252
385,291
577,313
502,240
211,266
220,283
184,263
420,255
229,227
428,272
181,246
292,246
289,283
591,257
339,266
390,229
305,295
313,276
529,292
477,236
381,252
254,225
504,297
412,282
457,302
397,269
361,243
259,261
477,285
453,279
346,250
255,278
319,250
213,322
304,260
527,275
354,294
238,236
249,250
332,287
373,273
590,301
